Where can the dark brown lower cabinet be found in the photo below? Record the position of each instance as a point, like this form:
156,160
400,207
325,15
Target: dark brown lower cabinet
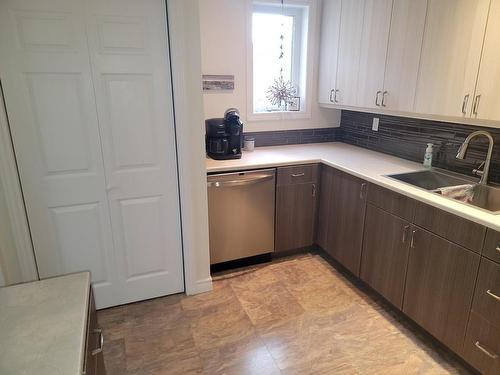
439,286
482,345
94,359
385,253
341,217
295,216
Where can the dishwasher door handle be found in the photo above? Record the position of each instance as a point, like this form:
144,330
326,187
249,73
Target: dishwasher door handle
240,182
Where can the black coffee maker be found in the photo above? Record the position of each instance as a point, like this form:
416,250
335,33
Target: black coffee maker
224,136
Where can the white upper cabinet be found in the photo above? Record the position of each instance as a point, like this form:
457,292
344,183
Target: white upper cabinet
403,54
375,35
351,27
450,56
330,29
486,103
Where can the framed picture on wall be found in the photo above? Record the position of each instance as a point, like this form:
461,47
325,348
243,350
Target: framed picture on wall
294,104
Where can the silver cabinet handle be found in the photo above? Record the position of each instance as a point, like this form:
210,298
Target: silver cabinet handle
313,190
101,342
412,242
498,249
480,347
298,174
335,97
384,95
331,93
405,229
377,97
475,106
464,104
362,190
490,293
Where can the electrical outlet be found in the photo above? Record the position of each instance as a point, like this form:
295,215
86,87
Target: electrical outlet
375,124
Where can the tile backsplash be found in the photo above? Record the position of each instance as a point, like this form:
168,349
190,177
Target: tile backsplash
408,137
293,137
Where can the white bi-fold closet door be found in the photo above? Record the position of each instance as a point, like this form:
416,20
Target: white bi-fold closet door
88,93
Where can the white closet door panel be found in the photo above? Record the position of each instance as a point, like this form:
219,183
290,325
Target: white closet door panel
129,59
351,26
374,41
488,85
46,78
403,54
450,57
330,30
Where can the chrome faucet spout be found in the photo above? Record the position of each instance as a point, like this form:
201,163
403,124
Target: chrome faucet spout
462,151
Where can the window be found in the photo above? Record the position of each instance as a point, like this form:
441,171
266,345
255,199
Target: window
279,55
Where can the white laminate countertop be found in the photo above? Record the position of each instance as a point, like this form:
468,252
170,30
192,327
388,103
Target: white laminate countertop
368,165
43,326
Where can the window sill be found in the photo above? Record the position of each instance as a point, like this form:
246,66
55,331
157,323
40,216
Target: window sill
279,116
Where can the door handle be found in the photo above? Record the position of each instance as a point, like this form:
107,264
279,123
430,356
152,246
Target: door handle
384,94
405,230
242,182
101,342
377,97
493,295
332,91
313,190
475,106
412,241
335,97
498,248
298,174
487,352
464,104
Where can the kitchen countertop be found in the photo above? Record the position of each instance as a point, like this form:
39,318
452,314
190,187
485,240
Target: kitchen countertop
43,326
366,164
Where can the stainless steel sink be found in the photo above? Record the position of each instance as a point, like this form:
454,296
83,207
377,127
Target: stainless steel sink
485,197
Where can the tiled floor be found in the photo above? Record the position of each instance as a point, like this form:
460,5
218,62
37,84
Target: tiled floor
295,316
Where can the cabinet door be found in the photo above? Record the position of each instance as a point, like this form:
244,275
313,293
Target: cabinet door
330,29
385,253
325,203
347,204
450,57
351,27
295,216
374,41
439,286
487,99
403,54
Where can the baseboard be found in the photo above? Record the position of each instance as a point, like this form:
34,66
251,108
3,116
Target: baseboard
201,286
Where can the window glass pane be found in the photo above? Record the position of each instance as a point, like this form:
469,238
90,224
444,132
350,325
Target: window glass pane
267,29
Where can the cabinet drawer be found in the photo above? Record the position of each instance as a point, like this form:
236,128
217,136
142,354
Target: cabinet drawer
482,345
94,360
298,174
491,247
392,202
487,294
454,228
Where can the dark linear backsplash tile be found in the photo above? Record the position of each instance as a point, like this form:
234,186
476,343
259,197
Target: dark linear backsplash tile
408,137
293,137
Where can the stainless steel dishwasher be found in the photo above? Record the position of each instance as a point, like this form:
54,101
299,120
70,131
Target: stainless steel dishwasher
241,214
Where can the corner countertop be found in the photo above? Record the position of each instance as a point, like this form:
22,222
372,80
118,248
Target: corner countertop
368,165
43,326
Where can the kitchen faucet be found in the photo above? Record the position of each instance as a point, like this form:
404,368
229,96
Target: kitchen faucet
463,150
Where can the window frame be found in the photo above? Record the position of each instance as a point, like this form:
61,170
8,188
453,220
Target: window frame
304,73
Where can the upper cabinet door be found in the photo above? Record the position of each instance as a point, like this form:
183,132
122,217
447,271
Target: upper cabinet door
351,27
403,54
450,56
486,104
377,21
330,29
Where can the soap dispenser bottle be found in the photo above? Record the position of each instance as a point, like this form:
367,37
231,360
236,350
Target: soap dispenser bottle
428,156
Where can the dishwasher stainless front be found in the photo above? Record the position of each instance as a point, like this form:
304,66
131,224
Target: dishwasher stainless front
241,214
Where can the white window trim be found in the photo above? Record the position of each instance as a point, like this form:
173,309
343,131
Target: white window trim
308,87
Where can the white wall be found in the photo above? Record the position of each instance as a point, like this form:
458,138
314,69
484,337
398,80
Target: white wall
224,37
